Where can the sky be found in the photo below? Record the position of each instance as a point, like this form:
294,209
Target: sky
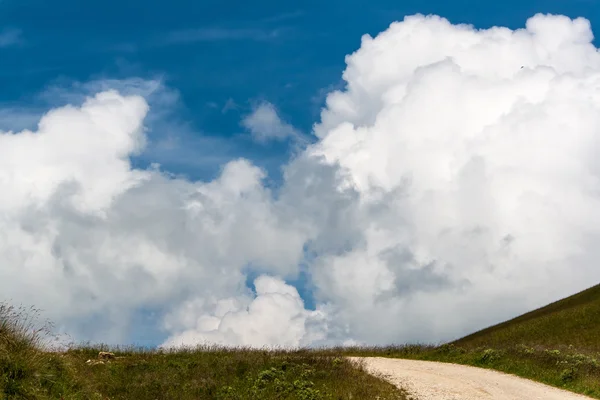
291,174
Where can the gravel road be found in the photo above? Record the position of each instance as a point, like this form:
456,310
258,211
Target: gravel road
427,380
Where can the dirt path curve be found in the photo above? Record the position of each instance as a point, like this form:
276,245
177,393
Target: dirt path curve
428,380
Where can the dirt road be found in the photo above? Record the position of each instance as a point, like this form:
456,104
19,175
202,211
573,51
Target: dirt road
426,380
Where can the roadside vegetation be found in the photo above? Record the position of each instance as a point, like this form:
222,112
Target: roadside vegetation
565,368
29,369
558,344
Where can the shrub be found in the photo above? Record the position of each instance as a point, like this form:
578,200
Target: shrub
489,355
567,375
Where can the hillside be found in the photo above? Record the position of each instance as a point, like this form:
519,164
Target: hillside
573,321
558,345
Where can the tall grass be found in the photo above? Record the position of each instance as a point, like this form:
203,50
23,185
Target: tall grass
26,371
228,373
30,369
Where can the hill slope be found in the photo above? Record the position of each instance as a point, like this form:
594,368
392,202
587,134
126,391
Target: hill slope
573,321
558,345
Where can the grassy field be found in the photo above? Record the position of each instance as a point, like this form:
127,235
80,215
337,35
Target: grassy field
558,345
28,372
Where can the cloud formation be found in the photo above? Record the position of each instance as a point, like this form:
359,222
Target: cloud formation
476,177
450,188
90,238
265,124
275,316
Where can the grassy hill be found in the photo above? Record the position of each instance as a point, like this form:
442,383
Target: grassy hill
558,344
573,321
28,372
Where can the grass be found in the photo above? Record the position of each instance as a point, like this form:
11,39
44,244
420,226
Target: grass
26,372
573,321
228,373
558,344
30,370
566,369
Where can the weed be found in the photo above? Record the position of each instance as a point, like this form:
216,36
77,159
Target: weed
489,356
567,375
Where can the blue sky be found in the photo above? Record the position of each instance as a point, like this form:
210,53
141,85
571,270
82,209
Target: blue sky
221,56
217,60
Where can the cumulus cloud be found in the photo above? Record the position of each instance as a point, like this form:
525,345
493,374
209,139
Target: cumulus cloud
477,178
89,238
449,189
275,315
265,124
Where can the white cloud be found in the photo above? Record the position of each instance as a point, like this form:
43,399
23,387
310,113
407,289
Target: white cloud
477,179
101,136
92,240
275,316
170,140
265,124
449,189
153,91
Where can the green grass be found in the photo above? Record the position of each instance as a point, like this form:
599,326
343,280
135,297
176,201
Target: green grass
573,321
29,372
26,372
558,344
221,373
570,369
